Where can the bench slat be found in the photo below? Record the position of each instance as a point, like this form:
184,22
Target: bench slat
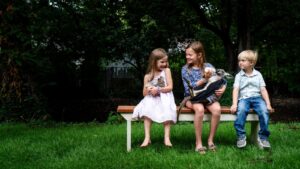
129,109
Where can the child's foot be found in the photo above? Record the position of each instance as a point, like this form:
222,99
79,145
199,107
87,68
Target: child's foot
145,144
168,143
263,143
201,150
212,147
241,142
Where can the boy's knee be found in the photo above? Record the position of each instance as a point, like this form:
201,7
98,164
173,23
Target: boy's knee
241,109
265,111
262,111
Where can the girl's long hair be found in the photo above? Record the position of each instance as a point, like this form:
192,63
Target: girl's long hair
198,48
155,55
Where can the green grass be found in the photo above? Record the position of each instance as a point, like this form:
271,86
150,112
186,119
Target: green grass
97,146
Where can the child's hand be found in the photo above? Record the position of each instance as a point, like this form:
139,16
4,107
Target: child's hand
208,72
233,109
270,109
149,89
220,91
154,91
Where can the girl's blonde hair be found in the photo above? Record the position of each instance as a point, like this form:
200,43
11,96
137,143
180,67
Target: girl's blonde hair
249,55
155,55
198,48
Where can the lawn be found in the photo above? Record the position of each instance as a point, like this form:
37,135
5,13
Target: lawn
96,146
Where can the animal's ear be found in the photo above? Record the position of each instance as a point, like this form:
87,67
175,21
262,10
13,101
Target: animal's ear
228,76
223,73
220,70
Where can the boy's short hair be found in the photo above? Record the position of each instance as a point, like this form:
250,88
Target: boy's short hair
249,55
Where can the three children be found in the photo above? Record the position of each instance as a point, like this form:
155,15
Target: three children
158,104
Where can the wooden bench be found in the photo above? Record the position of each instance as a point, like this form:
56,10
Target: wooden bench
188,115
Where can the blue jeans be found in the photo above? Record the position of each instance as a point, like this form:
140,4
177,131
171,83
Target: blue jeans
260,107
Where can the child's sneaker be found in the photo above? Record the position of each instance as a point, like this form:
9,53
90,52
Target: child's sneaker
263,143
241,142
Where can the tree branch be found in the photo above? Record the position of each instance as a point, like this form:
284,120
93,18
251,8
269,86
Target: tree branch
203,19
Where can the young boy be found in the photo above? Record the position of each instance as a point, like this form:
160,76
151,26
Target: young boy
249,91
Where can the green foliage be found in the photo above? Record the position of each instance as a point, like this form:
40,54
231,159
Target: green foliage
226,99
114,118
20,98
55,50
276,41
176,61
40,44
28,109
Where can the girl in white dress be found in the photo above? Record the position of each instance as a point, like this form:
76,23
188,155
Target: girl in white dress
158,104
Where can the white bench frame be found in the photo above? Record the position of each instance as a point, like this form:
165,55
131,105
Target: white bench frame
188,115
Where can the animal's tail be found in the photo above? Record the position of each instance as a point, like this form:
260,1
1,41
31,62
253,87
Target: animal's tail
181,105
190,86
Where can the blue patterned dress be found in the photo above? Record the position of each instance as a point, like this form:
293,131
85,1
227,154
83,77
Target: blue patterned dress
194,75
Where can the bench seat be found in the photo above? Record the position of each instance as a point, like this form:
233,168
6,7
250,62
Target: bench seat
188,115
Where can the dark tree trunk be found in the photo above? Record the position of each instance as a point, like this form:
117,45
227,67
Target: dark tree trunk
243,21
232,46
230,54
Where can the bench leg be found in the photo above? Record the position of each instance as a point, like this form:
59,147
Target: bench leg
254,131
128,135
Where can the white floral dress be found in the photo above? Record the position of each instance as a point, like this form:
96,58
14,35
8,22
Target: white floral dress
160,108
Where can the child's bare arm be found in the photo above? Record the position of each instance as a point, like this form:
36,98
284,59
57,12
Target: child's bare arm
208,72
201,82
220,91
169,86
235,94
265,96
146,87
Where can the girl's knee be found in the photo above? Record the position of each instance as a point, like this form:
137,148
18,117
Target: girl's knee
216,113
189,104
215,109
198,107
199,114
199,110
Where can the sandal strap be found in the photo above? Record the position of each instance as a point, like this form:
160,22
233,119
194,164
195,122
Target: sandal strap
212,147
201,149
